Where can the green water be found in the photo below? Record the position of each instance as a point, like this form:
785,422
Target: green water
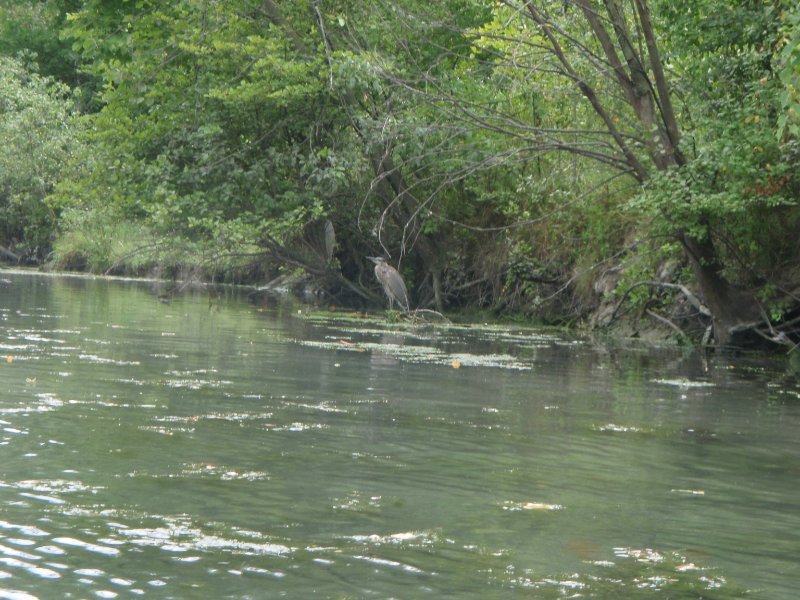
235,449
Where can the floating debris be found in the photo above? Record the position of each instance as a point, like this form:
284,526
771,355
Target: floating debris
640,554
424,354
684,383
222,472
295,427
518,506
195,384
619,428
688,492
352,346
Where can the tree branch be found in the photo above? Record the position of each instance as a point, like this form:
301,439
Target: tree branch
666,322
588,91
664,96
693,300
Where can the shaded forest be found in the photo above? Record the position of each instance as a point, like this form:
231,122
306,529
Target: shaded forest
583,162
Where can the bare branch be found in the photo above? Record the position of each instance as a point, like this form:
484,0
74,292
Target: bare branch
693,300
666,322
588,91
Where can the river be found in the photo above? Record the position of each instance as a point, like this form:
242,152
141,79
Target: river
229,447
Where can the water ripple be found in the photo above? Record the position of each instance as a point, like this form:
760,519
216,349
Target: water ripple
383,562
6,594
180,536
88,546
100,360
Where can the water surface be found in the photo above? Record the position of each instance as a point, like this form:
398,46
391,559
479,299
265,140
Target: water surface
225,448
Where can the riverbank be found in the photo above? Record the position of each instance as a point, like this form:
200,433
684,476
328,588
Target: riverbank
674,323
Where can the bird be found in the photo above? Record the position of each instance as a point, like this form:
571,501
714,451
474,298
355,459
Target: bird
392,282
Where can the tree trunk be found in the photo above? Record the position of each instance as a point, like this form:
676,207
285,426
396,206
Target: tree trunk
651,104
729,305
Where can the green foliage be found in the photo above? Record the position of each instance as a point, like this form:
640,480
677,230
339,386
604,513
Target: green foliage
740,184
215,130
38,129
97,241
216,125
32,27
789,73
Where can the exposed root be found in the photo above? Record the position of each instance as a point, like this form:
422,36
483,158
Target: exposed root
746,333
693,300
668,323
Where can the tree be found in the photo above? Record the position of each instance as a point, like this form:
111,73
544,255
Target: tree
38,127
789,73
244,124
33,27
610,53
398,142
214,127
491,147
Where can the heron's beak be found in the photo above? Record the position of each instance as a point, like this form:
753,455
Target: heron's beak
373,259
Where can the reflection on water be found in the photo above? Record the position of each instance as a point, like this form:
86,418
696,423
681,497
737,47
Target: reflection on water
190,450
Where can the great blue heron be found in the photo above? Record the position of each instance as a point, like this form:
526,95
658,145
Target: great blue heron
393,285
